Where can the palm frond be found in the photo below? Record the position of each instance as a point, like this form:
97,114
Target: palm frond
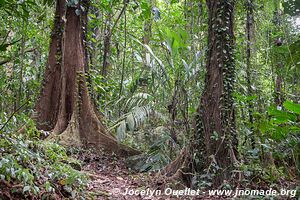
132,120
138,99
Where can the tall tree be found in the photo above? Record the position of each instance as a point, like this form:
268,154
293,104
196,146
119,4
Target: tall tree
65,106
215,142
215,128
249,35
47,105
107,38
279,97
106,45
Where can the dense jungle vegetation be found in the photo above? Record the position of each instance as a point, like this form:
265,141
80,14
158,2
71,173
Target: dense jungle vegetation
101,96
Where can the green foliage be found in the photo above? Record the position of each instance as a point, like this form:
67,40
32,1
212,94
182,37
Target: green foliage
24,46
282,122
152,88
146,10
293,60
280,133
292,107
18,8
158,154
176,39
140,110
105,91
292,7
38,165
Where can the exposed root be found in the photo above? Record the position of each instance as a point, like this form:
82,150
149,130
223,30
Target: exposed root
90,138
71,136
178,173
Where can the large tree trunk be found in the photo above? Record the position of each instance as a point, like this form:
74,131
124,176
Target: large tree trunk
47,104
215,130
77,122
215,143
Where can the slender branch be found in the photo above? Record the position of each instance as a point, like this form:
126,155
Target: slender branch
124,57
5,38
2,62
11,43
13,114
118,18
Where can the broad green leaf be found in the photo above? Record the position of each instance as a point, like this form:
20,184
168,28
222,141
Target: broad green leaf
3,47
2,2
281,116
291,106
279,133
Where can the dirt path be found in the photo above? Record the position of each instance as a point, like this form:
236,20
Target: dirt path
109,177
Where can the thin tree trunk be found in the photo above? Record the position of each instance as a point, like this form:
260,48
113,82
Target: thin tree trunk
279,97
267,155
22,57
124,59
249,32
148,26
107,39
106,46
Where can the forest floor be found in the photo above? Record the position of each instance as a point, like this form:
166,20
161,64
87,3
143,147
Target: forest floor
110,178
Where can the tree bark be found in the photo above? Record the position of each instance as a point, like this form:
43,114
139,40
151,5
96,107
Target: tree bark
106,46
215,129
47,104
148,25
77,122
107,39
249,32
214,146
279,96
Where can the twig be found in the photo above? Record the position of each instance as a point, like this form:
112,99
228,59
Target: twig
13,115
118,18
2,62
